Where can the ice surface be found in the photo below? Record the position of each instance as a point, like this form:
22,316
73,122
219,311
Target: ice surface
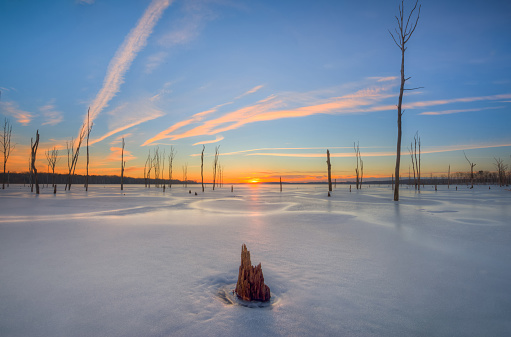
148,263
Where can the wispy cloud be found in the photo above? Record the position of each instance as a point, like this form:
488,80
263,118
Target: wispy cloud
218,138
425,150
384,79
51,115
11,108
456,100
85,2
118,139
129,119
448,112
196,118
125,55
163,91
154,61
116,155
195,15
286,148
272,108
251,91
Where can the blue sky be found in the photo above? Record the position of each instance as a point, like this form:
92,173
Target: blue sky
274,83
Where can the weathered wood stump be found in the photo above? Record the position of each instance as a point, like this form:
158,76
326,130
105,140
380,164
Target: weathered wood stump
250,286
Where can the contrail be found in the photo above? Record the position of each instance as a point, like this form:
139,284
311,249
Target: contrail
124,56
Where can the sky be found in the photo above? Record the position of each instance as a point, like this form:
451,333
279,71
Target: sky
274,84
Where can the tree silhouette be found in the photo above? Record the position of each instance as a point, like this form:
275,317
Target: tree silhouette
7,147
403,33
34,146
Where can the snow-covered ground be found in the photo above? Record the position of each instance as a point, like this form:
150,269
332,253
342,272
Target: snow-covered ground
147,263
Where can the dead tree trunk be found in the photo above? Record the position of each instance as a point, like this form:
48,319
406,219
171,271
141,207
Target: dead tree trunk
52,158
7,147
123,164
329,171
202,167
403,34
149,165
215,165
356,169
172,154
89,128
449,177
34,147
471,171
73,151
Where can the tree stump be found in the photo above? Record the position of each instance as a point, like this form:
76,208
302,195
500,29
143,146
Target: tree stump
250,286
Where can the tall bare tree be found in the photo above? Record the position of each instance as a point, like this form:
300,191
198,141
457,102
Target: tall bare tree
329,166
7,147
73,151
215,165
52,157
202,167
172,155
89,128
123,165
402,35
471,170
34,146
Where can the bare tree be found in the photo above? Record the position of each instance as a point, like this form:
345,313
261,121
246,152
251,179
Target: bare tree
52,157
416,161
156,166
148,168
329,166
403,33
172,155
89,128
7,147
501,171
215,166
449,177
202,167
185,174
34,146
123,165
471,170
359,172
73,151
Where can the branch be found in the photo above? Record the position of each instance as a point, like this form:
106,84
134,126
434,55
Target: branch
415,88
394,39
416,21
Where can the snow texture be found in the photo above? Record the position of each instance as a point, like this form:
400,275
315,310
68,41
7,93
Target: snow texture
143,262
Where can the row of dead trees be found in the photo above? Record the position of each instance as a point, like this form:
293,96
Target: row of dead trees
155,163
52,155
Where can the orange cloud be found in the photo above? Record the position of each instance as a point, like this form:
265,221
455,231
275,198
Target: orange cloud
268,109
218,138
194,119
116,154
11,108
155,115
